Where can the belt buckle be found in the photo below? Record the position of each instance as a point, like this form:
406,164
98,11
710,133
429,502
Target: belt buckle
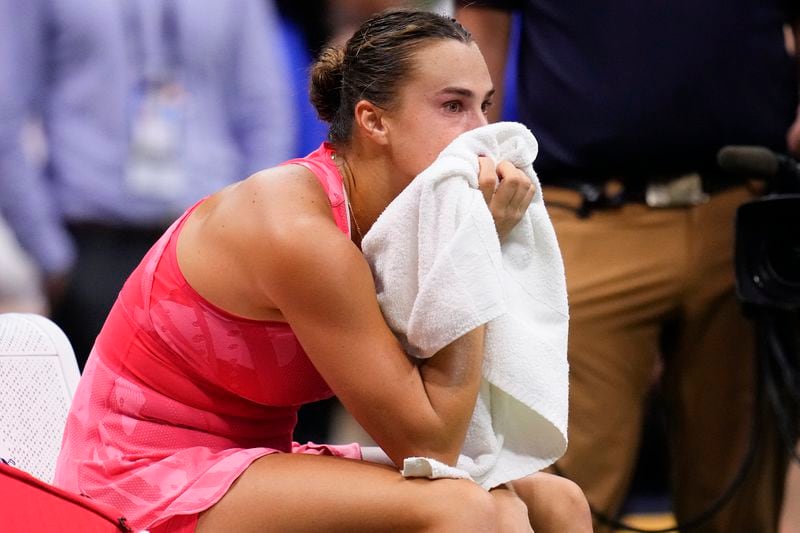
682,191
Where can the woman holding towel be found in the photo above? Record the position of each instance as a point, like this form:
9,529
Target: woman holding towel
258,300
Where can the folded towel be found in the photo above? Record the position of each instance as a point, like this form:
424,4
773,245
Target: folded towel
440,271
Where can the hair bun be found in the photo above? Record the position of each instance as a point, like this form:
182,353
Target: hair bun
326,83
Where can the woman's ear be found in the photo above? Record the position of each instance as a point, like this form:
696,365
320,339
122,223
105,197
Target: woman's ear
369,119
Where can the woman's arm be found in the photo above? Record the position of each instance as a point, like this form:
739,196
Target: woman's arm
328,296
302,264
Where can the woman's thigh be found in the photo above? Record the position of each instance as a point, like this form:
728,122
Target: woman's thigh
293,492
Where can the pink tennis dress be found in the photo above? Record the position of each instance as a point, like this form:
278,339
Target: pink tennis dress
179,397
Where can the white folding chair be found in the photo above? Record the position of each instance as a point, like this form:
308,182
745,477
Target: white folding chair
38,378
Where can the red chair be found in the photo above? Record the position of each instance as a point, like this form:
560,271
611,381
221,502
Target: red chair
38,376
30,505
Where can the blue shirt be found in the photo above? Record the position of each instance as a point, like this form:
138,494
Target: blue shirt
76,66
653,86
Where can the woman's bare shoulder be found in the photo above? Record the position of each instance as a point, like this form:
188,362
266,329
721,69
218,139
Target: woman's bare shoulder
267,204
242,239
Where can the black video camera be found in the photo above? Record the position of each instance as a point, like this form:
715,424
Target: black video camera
767,229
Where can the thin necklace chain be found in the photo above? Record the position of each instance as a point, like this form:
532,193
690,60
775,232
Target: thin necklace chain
345,174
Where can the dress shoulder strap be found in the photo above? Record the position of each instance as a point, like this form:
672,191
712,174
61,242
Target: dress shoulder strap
320,163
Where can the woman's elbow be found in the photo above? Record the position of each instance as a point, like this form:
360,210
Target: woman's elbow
442,443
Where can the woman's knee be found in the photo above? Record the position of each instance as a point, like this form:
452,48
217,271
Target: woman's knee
555,500
574,500
459,505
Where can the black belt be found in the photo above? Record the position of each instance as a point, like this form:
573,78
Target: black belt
675,191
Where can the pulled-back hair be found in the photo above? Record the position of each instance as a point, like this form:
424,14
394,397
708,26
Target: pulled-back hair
373,64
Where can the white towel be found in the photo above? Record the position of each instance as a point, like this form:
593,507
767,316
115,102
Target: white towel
440,272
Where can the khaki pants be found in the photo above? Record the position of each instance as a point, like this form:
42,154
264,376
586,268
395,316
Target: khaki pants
630,272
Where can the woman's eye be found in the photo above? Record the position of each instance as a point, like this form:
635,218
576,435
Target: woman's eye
453,107
486,106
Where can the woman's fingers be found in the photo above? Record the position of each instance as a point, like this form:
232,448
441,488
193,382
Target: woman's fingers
516,189
511,199
487,177
508,192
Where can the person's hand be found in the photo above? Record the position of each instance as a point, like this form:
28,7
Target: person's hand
508,192
793,136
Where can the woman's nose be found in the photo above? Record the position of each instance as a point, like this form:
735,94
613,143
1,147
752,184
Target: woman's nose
480,120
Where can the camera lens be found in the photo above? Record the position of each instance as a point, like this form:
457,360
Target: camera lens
768,252
782,256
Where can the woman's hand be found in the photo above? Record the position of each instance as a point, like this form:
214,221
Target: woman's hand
508,192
